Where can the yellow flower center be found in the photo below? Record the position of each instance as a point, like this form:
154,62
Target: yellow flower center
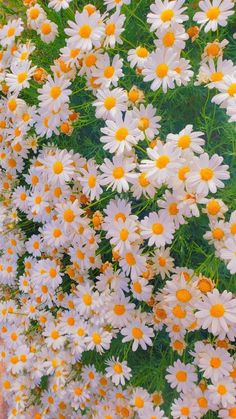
183,295
124,234
109,102
143,181
137,333
213,13
142,52
130,259
87,299
184,141
181,376
162,161
96,338
33,13
139,402
218,234
183,172
85,31
119,309
110,29
168,39
233,228
217,310
167,15
57,233
118,172
213,207
162,70
46,28
121,134
221,389
217,76
185,411
173,209
179,312
92,181
232,89
11,32
206,173
55,92
58,167
55,334
21,77
69,215
157,228
143,123
215,362
118,368
108,72
137,287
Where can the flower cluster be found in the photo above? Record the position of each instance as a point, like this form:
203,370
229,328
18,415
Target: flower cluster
86,259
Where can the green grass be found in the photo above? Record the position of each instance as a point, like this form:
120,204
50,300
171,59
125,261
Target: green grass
182,106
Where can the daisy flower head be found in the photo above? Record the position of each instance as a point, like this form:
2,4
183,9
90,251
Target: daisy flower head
228,253
87,30
121,134
57,5
54,93
10,31
35,15
58,167
163,161
171,37
47,30
222,392
108,71
214,13
158,229
123,234
116,173
117,371
113,29
216,312
187,139
185,407
181,376
109,103
207,174
148,122
165,13
19,76
138,57
159,69
139,333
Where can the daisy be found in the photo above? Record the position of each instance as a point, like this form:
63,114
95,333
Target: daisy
214,14
227,89
215,363
187,139
139,333
158,229
183,72
116,173
207,174
216,312
228,413
35,16
222,392
181,376
164,160
185,408
214,73
159,69
163,263
10,31
215,208
98,339
87,31
141,185
118,371
19,77
57,5
108,71
165,13
54,93
47,30
141,290
58,167
119,310
110,102
113,29
121,134
123,234
228,254
69,214
111,4
141,400
90,180
171,207
133,263
171,37
138,57
147,121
